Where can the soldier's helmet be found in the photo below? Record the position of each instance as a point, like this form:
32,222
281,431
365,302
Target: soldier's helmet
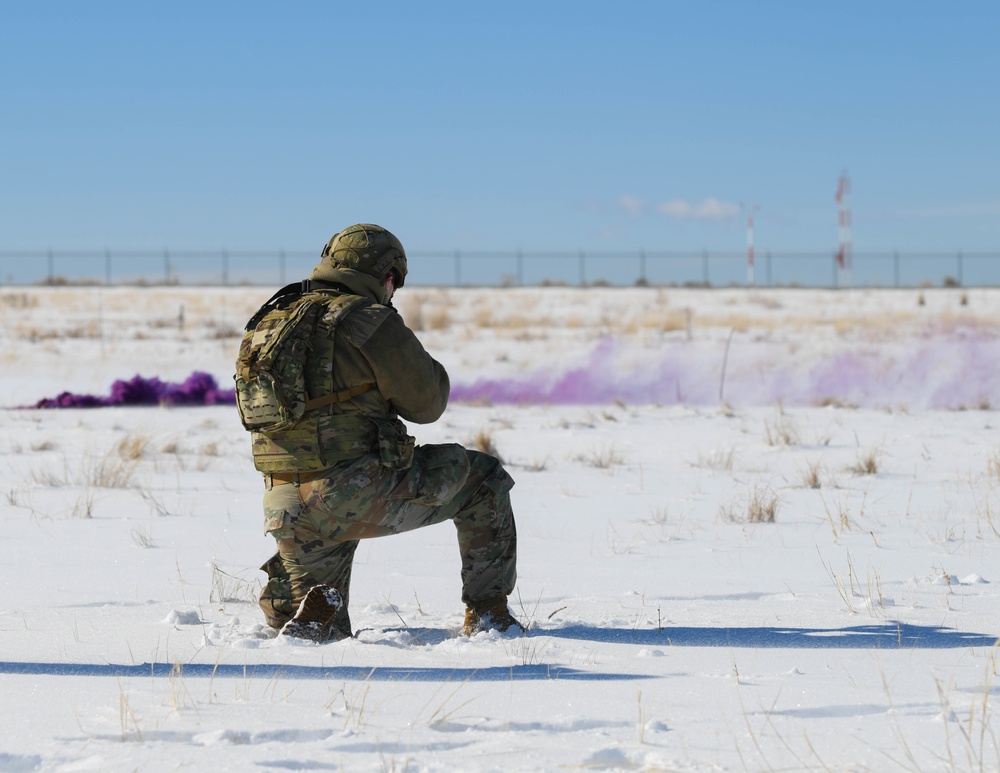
364,247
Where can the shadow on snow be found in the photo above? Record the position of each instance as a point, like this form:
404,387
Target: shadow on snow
888,636
347,673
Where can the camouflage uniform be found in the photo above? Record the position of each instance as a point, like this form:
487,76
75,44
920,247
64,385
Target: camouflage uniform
348,470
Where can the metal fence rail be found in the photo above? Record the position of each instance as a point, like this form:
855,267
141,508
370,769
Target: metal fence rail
510,268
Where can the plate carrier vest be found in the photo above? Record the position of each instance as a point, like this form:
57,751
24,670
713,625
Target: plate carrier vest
289,433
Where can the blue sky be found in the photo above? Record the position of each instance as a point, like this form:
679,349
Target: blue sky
540,126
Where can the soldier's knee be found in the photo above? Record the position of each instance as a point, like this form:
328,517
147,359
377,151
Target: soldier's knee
492,472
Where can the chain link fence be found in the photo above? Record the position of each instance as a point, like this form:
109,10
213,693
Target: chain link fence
511,268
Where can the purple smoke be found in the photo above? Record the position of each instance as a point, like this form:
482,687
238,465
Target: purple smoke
951,369
598,380
955,369
197,389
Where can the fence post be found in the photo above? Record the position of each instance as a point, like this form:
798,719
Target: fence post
583,269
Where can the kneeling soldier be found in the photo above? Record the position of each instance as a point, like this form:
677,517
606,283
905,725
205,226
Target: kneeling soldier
325,371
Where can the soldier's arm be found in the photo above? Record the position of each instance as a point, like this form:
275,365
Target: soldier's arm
415,383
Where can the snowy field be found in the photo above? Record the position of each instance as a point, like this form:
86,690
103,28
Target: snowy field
759,530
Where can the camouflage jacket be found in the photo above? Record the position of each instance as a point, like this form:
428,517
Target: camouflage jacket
371,344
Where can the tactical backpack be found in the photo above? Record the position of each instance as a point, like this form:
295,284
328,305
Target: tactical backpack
270,369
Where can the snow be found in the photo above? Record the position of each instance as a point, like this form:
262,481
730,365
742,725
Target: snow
651,432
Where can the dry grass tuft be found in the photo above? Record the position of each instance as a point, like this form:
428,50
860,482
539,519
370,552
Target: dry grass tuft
132,447
112,472
48,476
483,441
810,478
659,515
867,464
841,522
783,432
761,507
142,536
716,459
84,506
603,458
116,468
993,467
229,589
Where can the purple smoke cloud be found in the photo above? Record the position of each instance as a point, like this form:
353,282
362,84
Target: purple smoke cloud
197,389
954,369
599,380
943,371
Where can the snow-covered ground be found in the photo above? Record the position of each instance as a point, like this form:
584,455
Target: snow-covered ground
759,530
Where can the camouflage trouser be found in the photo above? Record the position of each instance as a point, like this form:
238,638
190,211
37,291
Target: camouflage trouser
317,524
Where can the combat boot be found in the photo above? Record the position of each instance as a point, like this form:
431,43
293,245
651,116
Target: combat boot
316,617
490,615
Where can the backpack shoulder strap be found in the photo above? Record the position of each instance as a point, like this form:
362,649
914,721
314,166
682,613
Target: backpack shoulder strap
332,318
285,294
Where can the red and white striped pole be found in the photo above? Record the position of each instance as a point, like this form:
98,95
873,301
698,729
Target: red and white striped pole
844,219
